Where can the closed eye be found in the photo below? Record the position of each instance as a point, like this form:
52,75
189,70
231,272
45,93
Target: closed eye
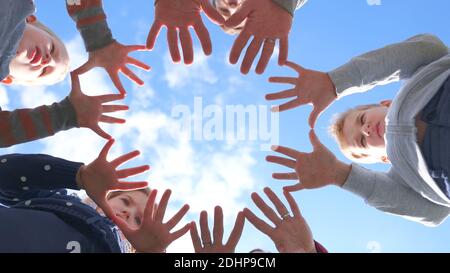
126,201
138,221
363,141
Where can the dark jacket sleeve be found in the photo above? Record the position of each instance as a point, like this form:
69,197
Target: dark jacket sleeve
22,175
91,23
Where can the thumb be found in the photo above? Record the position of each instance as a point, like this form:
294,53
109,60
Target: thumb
76,87
84,68
315,140
212,13
315,113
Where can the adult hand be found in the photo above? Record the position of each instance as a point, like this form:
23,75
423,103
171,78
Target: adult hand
266,22
102,176
291,234
311,86
206,245
114,58
90,110
178,16
313,170
154,236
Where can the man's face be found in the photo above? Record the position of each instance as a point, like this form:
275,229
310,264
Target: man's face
227,8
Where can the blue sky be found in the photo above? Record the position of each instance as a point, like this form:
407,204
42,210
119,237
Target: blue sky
203,173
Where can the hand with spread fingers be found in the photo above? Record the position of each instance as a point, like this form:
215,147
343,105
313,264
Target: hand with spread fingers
313,170
102,176
90,110
205,244
291,233
266,22
114,58
154,236
311,87
178,16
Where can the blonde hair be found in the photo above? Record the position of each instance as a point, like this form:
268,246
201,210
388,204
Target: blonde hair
336,129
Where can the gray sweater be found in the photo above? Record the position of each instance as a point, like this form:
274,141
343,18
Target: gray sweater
407,189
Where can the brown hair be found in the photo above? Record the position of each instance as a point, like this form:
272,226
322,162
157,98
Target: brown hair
113,194
336,129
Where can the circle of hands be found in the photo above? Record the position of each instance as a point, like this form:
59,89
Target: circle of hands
265,23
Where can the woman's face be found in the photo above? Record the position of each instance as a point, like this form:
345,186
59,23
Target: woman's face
129,206
40,58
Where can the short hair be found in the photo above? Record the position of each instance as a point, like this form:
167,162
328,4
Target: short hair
336,129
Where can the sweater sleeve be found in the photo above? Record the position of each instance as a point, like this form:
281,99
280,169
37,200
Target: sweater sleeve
391,63
91,23
290,5
24,125
22,175
381,191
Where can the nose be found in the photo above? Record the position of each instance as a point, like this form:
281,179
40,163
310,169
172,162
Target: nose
125,214
365,129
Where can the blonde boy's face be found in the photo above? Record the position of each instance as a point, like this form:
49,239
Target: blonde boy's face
40,59
364,131
130,206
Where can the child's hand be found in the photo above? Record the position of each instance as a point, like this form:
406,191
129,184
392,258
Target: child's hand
310,87
206,245
291,233
267,23
154,236
114,58
313,170
178,16
90,110
101,176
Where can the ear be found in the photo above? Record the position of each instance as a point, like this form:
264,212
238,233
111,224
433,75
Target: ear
385,159
386,103
8,80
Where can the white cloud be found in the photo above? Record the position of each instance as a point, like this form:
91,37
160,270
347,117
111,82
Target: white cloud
4,100
374,247
180,75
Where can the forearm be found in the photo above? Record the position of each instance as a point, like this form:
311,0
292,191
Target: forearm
290,5
91,23
388,64
23,173
24,125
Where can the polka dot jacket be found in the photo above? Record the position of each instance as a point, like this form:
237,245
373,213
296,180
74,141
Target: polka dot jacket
37,214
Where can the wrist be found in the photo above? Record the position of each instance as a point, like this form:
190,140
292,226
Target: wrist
342,173
79,177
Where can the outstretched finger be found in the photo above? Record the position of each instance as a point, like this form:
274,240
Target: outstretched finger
162,206
279,206
315,113
204,38
128,186
177,234
287,80
124,158
108,119
109,98
295,66
177,217
315,140
132,171
153,34
105,150
284,48
204,228
114,108
131,75
76,87
236,233
296,187
285,176
99,131
286,151
282,95
287,106
196,242
131,48
239,16
218,225
266,54
137,63
281,161
294,207
238,46
250,54
258,222
116,81
172,41
266,210
186,45
85,67
149,207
